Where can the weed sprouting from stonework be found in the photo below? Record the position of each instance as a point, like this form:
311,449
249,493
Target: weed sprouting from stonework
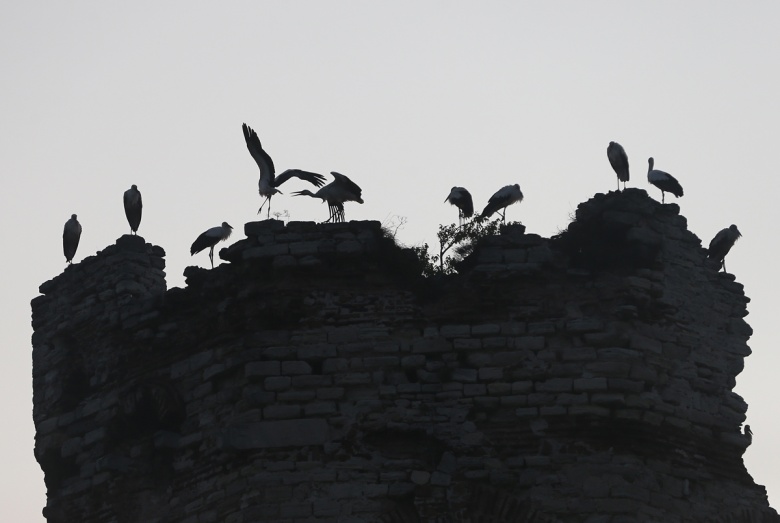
392,224
459,239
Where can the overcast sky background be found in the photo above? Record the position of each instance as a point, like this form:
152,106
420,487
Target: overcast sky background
407,99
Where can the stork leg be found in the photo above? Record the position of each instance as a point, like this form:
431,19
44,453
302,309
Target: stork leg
268,201
211,256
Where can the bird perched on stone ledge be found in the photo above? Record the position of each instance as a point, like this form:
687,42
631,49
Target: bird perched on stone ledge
663,180
133,207
461,198
721,244
748,432
618,159
340,190
502,199
70,238
209,239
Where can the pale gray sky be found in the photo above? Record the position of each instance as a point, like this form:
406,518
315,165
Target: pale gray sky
407,99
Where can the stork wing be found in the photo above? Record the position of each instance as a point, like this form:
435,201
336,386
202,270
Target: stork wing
133,208
208,239
618,160
347,184
463,201
718,241
317,180
261,157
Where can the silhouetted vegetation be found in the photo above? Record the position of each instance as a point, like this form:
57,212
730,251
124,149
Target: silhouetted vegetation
461,240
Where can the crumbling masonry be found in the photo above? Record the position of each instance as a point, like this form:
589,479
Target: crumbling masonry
318,378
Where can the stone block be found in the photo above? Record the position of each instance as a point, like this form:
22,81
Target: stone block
302,248
589,410
295,367
554,385
349,247
494,342
619,369
590,384
583,325
333,365
466,343
277,383
490,373
331,393
578,354
420,477
608,398
282,433
541,327
486,329
262,369
455,331
284,261
265,251
464,375
528,343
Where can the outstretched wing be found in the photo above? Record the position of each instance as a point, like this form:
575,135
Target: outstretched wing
315,179
261,157
348,184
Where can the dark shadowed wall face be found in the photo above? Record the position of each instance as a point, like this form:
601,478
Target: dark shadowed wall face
318,377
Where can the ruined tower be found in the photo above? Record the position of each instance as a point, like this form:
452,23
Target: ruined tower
317,377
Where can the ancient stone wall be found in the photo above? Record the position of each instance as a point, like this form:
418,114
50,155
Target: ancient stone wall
316,377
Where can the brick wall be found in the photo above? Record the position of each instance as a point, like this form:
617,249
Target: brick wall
317,377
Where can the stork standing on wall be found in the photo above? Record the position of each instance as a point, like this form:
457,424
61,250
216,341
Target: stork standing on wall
133,207
664,181
210,238
721,244
268,180
340,190
619,162
505,197
461,198
70,238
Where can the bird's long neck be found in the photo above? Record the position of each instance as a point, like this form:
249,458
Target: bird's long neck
307,192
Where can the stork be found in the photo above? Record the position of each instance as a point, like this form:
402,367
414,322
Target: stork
70,238
133,207
748,432
340,190
461,198
664,181
503,198
619,162
210,238
722,243
268,180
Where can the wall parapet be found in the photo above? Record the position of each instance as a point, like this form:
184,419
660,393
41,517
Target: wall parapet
586,377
